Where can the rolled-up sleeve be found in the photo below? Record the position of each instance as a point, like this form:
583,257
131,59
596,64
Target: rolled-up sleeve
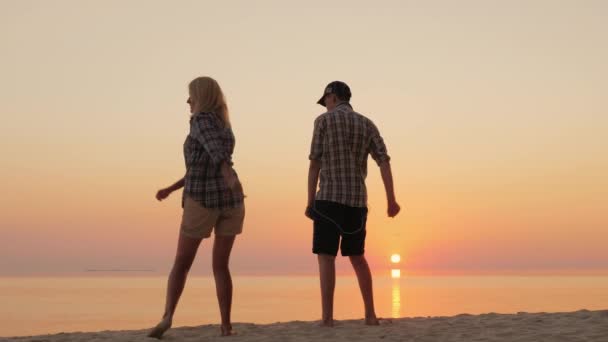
205,130
316,147
377,148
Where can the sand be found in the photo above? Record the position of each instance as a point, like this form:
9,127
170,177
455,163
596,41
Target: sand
573,326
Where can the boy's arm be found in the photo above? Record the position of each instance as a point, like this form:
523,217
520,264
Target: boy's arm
387,179
313,179
316,152
380,155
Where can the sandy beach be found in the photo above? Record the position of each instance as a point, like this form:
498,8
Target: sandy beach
581,325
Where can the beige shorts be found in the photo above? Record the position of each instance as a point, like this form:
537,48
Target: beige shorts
198,221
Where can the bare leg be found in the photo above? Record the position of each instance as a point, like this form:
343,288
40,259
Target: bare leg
364,276
186,251
327,275
223,281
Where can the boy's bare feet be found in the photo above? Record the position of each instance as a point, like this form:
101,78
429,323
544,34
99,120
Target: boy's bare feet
160,328
227,330
327,323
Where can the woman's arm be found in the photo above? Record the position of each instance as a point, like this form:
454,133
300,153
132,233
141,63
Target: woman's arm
228,175
206,133
204,130
164,193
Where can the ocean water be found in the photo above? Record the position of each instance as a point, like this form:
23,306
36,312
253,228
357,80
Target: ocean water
33,306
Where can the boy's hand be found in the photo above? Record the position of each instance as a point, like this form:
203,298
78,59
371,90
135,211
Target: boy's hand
308,213
393,209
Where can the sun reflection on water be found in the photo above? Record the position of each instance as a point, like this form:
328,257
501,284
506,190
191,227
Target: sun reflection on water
395,273
396,299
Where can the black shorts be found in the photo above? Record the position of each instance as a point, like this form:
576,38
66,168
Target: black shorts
333,221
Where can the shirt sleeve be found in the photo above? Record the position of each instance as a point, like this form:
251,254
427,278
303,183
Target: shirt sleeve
377,148
205,130
316,147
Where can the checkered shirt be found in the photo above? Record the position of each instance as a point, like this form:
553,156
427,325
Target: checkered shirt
342,140
206,147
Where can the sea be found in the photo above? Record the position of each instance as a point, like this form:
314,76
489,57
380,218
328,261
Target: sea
49,305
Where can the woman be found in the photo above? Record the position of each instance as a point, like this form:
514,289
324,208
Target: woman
212,199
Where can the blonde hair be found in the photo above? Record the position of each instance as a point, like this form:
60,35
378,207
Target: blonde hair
207,96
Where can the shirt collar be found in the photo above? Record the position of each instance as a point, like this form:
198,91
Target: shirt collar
343,103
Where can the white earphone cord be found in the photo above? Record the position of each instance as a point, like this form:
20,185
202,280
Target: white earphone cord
337,225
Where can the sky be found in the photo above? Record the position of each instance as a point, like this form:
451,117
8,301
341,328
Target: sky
494,114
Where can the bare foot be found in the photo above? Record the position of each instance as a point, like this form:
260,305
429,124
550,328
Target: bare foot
327,323
376,321
372,321
227,330
160,328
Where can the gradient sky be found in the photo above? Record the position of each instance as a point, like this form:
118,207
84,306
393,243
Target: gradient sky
494,113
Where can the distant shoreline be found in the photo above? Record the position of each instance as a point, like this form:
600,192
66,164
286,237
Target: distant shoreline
120,270
376,274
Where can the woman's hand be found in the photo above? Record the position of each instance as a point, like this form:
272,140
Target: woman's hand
229,177
163,193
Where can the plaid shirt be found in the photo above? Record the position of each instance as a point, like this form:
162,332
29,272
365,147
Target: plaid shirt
206,147
341,141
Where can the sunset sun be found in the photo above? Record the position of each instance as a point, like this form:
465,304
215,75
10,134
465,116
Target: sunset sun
395,258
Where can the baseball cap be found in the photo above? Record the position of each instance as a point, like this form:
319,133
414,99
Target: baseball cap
339,88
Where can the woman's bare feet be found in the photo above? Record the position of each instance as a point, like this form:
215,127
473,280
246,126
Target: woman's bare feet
160,328
372,320
227,330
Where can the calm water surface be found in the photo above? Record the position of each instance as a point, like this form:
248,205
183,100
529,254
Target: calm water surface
31,306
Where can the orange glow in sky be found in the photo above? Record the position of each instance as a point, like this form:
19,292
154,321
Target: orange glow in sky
496,131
